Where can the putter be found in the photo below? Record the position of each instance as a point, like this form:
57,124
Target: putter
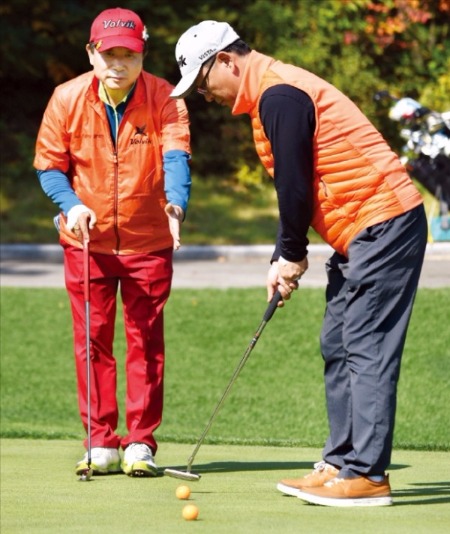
187,474
87,473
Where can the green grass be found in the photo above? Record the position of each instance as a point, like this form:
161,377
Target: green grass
40,494
272,425
277,400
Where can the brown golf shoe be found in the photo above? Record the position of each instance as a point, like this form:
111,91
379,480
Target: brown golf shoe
322,473
359,491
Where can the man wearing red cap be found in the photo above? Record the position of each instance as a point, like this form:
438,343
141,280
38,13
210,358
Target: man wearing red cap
113,153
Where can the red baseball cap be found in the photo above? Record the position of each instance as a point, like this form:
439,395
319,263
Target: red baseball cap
118,27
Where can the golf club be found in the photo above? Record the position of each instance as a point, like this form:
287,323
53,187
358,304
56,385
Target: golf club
87,473
187,474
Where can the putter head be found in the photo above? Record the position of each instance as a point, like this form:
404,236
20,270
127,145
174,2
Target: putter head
183,475
86,475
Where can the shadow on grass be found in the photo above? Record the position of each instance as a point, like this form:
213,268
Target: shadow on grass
424,493
230,467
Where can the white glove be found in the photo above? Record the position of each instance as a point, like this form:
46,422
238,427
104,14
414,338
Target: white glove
74,213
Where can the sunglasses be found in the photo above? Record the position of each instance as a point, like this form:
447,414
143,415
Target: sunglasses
203,86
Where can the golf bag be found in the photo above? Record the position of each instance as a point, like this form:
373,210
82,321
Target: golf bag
426,155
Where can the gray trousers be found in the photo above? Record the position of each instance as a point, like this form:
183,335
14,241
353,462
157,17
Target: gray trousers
369,298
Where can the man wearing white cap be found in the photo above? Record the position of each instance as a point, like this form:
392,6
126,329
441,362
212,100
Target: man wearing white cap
332,170
113,153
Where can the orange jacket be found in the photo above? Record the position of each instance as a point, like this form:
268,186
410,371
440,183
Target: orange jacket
123,185
358,180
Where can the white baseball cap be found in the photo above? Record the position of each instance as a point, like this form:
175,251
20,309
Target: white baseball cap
195,47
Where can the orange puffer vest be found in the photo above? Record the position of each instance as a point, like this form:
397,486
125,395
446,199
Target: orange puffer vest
124,185
358,180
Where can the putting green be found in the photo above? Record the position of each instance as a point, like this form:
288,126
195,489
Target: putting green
237,493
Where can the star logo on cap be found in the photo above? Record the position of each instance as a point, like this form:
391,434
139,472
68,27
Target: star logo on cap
181,61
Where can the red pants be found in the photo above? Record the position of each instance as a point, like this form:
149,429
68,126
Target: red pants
144,281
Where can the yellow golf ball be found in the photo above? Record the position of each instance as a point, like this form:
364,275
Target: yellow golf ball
190,512
183,492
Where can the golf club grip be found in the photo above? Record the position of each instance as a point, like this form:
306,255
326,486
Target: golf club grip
273,304
87,295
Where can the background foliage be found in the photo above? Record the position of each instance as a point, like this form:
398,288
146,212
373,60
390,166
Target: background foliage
361,46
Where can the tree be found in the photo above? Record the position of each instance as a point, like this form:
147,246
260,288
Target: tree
360,46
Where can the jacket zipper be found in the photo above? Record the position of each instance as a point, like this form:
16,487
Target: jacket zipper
116,182
116,201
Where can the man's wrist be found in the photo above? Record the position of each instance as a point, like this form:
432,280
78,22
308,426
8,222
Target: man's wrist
284,261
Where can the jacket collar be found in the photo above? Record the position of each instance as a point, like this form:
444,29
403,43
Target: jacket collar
249,90
139,92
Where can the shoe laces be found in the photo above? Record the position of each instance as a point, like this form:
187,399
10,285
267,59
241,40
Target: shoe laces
319,467
141,451
334,481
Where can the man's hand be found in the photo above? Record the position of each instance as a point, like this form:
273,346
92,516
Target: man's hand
175,214
284,276
80,220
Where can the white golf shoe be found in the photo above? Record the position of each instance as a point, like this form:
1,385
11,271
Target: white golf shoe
104,460
138,461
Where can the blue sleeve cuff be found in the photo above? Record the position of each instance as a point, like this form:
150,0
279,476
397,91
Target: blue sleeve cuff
177,178
56,186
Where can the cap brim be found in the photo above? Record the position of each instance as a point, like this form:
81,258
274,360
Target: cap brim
186,84
126,42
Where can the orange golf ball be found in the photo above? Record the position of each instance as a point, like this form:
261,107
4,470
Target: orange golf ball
183,492
190,512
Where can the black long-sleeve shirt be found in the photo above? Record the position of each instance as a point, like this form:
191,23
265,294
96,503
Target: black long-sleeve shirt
288,118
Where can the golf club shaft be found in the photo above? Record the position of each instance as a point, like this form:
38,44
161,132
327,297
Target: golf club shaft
87,299
267,316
